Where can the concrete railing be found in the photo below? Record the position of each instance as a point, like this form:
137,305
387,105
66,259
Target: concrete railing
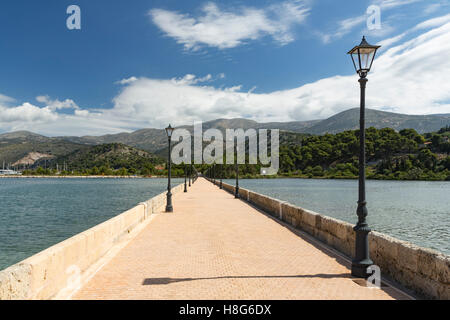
48,273
424,271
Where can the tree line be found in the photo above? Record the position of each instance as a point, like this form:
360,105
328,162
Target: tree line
403,155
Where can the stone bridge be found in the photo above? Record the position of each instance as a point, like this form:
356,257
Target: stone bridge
214,246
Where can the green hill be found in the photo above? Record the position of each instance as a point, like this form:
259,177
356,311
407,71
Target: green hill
16,146
25,146
105,157
154,140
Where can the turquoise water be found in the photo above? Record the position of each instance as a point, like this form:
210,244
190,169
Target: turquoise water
38,213
414,211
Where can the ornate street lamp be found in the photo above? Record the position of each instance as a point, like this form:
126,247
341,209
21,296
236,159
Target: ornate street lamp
169,207
190,174
236,189
185,174
221,176
362,57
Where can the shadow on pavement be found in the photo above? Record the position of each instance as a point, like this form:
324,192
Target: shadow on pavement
162,281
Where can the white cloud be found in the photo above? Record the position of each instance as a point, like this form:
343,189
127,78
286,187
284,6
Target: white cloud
56,104
389,4
388,42
192,79
26,113
342,28
410,77
428,24
345,26
432,8
81,113
48,120
5,99
432,23
230,28
126,81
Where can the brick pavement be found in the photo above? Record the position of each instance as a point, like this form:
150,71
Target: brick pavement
216,247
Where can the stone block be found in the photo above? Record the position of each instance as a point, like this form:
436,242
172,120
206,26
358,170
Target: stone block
309,218
427,263
407,256
15,282
443,269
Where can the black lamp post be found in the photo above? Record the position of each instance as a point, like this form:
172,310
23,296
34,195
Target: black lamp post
221,176
169,207
236,189
190,174
362,56
185,178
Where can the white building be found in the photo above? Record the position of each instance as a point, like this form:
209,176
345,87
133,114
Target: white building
8,173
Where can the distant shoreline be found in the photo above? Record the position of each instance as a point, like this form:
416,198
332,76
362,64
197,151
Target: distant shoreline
174,177
80,177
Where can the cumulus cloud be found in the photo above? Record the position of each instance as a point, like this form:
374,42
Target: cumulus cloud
192,79
56,104
48,119
126,81
49,122
26,113
81,113
223,29
409,77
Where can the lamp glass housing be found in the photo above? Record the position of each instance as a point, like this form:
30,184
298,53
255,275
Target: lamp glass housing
363,56
169,131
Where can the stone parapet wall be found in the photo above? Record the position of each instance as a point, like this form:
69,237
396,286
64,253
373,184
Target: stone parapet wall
46,274
422,270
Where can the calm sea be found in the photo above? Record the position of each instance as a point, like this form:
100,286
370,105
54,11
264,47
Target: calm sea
38,213
414,211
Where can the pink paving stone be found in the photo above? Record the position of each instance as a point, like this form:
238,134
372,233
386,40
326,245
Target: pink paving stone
216,247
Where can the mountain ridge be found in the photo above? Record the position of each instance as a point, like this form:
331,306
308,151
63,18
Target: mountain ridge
153,140
16,145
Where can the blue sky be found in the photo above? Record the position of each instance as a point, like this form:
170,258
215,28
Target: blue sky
137,64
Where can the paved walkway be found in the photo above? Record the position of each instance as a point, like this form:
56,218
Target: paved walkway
216,247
